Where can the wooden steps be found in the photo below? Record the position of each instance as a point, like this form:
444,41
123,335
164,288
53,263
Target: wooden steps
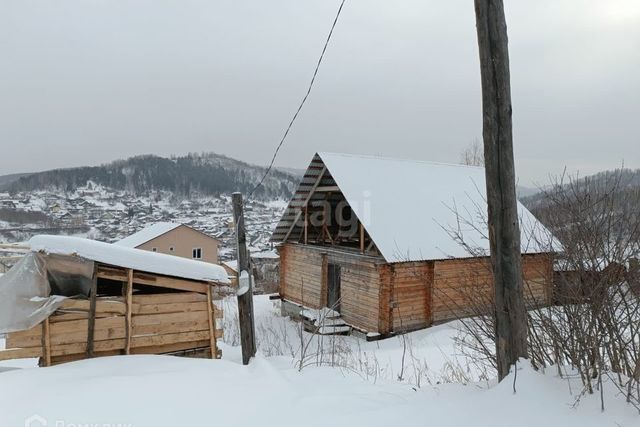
324,322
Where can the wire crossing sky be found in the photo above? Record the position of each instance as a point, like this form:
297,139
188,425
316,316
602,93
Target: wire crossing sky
86,82
304,100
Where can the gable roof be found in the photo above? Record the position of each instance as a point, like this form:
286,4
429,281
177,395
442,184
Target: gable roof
411,208
153,231
136,259
147,233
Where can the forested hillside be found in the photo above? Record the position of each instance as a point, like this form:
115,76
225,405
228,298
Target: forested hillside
206,173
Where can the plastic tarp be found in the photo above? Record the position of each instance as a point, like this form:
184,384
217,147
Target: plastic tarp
36,287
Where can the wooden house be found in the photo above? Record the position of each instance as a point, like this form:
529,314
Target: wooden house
395,245
73,298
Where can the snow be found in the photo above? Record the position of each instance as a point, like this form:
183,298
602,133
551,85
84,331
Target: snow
326,330
159,391
233,264
323,313
270,254
147,233
409,207
150,262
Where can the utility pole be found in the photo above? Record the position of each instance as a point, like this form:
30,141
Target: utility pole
504,229
245,288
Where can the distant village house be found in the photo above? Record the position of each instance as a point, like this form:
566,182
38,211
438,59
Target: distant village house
174,239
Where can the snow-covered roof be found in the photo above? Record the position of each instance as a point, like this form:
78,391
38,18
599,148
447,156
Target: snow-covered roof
232,264
410,208
137,259
147,233
269,254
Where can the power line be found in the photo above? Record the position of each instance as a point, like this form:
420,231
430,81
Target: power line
304,100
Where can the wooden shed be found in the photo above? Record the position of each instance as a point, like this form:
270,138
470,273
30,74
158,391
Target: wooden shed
394,245
79,298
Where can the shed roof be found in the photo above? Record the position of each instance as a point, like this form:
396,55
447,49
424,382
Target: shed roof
411,208
136,259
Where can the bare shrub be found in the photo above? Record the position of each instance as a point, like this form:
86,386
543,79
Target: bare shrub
591,325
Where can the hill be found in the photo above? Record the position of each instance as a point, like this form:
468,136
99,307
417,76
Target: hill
206,173
5,180
604,207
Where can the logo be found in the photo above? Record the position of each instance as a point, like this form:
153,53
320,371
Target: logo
35,420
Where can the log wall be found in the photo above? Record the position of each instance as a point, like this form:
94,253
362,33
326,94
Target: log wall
460,286
303,281
409,296
387,298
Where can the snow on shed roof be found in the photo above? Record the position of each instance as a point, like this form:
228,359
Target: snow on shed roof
137,259
409,207
147,233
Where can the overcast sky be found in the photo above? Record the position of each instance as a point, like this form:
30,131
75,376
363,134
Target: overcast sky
84,82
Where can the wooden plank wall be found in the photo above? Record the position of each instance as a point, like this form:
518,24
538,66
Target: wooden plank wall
460,284
301,276
161,323
410,304
360,282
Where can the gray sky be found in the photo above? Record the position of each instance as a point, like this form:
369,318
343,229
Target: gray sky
85,82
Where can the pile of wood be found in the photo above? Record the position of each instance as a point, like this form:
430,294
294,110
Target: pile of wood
158,323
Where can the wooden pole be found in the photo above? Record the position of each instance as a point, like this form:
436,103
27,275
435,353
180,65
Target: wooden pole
92,311
504,230
129,302
245,299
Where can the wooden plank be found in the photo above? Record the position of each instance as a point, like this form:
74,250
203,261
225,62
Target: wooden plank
212,326
152,340
20,353
141,278
174,327
129,303
58,317
137,342
155,319
68,332
141,309
327,189
171,283
56,360
171,348
169,298
103,305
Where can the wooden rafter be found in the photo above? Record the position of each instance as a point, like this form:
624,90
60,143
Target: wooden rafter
327,189
306,201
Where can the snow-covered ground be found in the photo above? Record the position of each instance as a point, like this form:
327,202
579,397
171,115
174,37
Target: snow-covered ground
168,391
421,357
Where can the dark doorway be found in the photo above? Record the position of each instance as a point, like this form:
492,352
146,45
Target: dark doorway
333,287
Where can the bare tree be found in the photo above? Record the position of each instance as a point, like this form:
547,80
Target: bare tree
473,155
